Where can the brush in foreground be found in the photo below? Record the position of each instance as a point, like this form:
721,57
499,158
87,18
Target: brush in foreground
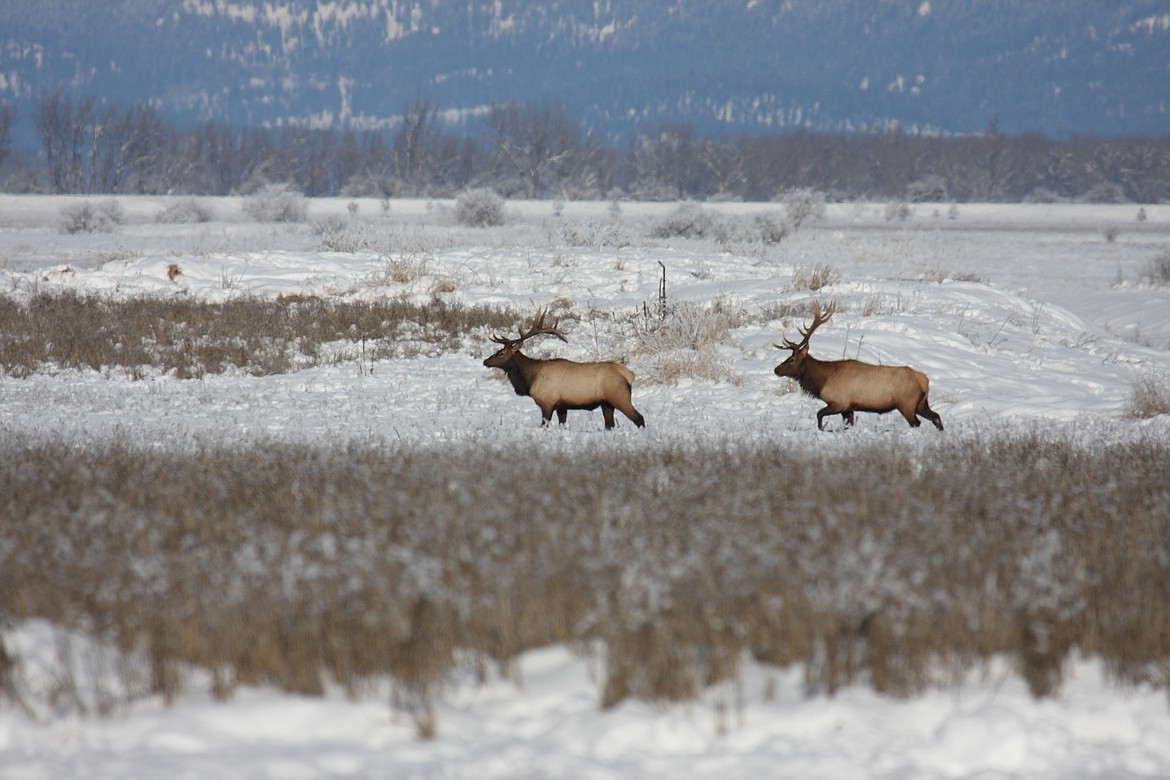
848,386
559,385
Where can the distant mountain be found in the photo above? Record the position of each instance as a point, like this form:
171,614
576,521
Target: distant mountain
1056,67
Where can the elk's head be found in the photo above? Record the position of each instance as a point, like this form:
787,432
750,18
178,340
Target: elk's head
794,366
510,348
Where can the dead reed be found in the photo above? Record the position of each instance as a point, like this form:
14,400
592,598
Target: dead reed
193,338
296,565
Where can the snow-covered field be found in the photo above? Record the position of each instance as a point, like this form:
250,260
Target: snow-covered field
1021,315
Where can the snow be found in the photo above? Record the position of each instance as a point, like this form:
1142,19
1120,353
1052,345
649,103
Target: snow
1020,315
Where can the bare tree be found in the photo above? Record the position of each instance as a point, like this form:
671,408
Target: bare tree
724,165
666,159
414,147
535,138
59,125
7,117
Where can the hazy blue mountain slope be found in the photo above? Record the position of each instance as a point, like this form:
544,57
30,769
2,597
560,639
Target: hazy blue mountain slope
1061,68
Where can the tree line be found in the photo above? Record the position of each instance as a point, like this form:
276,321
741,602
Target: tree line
537,151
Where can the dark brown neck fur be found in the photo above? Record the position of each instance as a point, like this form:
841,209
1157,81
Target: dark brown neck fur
520,371
813,375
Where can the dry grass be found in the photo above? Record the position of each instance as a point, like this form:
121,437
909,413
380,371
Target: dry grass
815,277
192,338
294,565
1149,396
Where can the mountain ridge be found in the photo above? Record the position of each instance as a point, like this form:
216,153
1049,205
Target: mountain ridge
619,66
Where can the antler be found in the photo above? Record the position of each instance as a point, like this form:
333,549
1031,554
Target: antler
819,319
538,328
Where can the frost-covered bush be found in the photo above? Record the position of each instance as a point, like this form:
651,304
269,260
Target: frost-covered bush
89,217
1044,195
1105,192
184,212
1158,270
899,210
341,235
481,207
690,220
929,189
685,342
803,204
688,325
1149,396
815,277
367,185
771,227
276,203
593,233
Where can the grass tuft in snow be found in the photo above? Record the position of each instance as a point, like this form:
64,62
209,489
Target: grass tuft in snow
1158,270
1149,396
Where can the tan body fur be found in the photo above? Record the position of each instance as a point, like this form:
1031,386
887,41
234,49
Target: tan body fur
558,385
848,386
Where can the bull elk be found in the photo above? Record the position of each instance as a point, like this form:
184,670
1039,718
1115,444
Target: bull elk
848,386
559,385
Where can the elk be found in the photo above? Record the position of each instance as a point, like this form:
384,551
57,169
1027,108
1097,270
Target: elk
559,385
848,386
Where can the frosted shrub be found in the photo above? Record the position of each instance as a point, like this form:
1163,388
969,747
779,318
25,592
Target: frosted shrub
593,233
899,210
87,217
184,212
928,189
480,207
276,203
771,227
685,343
1149,397
1158,271
367,185
815,277
1105,192
803,204
1043,195
690,325
691,220
340,235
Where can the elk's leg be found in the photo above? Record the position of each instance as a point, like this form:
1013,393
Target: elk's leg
924,410
607,413
629,411
562,415
848,417
546,414
832,409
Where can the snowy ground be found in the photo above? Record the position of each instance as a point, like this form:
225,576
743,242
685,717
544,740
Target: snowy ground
1020,315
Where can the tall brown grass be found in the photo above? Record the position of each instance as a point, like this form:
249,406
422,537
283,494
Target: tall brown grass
192,338
297,565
